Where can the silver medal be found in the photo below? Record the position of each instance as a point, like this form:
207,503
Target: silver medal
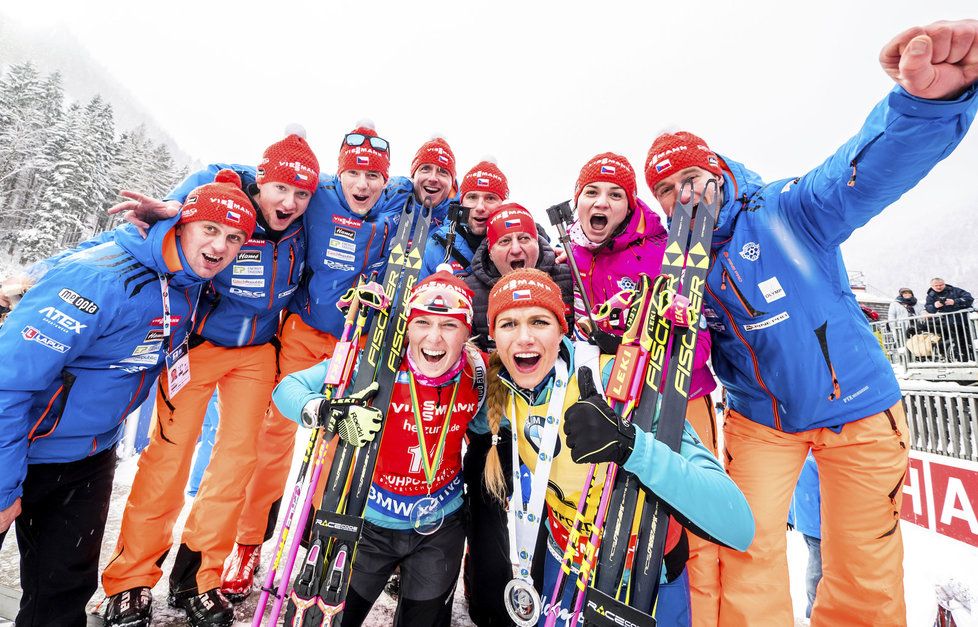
522,603
427,515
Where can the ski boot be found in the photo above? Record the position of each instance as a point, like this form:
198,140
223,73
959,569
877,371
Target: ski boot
207,609
239,576
130,608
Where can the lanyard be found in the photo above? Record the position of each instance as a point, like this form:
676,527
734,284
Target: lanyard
167,319
430,466
525,516
165,292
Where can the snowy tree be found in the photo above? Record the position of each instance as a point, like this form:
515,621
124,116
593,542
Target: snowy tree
62,166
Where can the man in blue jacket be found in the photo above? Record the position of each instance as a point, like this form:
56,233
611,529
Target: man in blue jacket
801,368
484,188
84,348
233,350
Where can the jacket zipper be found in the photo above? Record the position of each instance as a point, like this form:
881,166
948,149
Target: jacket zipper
724,276
859,155
54,397
753,358
820,335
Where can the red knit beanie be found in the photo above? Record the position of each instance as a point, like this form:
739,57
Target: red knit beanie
674,152
221,201
608,168
486,177
441,294
290,161
364,156
509,218
437,152
528,287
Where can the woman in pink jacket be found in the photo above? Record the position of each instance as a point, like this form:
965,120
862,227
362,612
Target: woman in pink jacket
616,237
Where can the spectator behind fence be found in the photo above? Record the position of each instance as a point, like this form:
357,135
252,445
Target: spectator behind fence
944,298
904,306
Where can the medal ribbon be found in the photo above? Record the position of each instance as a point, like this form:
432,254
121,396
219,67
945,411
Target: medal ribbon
525,516
431,467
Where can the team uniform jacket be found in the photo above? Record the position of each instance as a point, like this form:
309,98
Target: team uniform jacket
339,245
462,250
615,266
694,483
399,479
247,297
790,343
84,348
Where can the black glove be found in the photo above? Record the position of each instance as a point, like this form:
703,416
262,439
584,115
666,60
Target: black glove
595,433
606,342
350,416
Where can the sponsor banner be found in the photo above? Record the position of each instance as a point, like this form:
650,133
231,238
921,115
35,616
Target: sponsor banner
158,322
146,360
248,270
61,321
248,282
31,334
336,265
351,223
248,256
349,247
287,292
339,231
335,254
247,293
143,349
941,494
771,289
78,301
770,322
154,335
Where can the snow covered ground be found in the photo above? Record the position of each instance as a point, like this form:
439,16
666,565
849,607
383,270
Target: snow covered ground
930,559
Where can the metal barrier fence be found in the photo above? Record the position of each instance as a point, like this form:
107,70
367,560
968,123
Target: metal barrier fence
922,344
943,418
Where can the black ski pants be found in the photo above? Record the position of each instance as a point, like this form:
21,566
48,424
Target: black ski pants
59,535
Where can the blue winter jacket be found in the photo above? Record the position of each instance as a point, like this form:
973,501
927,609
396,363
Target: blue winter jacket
84,348
789,341
246,298
434,252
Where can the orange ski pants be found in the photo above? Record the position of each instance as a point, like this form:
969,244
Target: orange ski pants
703,565
244,378
302,347
861,470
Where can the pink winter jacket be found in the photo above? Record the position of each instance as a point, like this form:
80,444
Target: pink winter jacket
615,266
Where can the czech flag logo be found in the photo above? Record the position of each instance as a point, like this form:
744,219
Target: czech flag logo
233,216
608,169
662,167
361,160
521,295
482,182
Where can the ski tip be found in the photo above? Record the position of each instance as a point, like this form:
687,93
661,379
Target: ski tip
294,128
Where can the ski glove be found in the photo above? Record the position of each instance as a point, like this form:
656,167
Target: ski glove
595,433
350,417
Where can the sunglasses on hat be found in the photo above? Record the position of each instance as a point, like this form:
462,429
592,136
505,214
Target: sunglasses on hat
357,139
